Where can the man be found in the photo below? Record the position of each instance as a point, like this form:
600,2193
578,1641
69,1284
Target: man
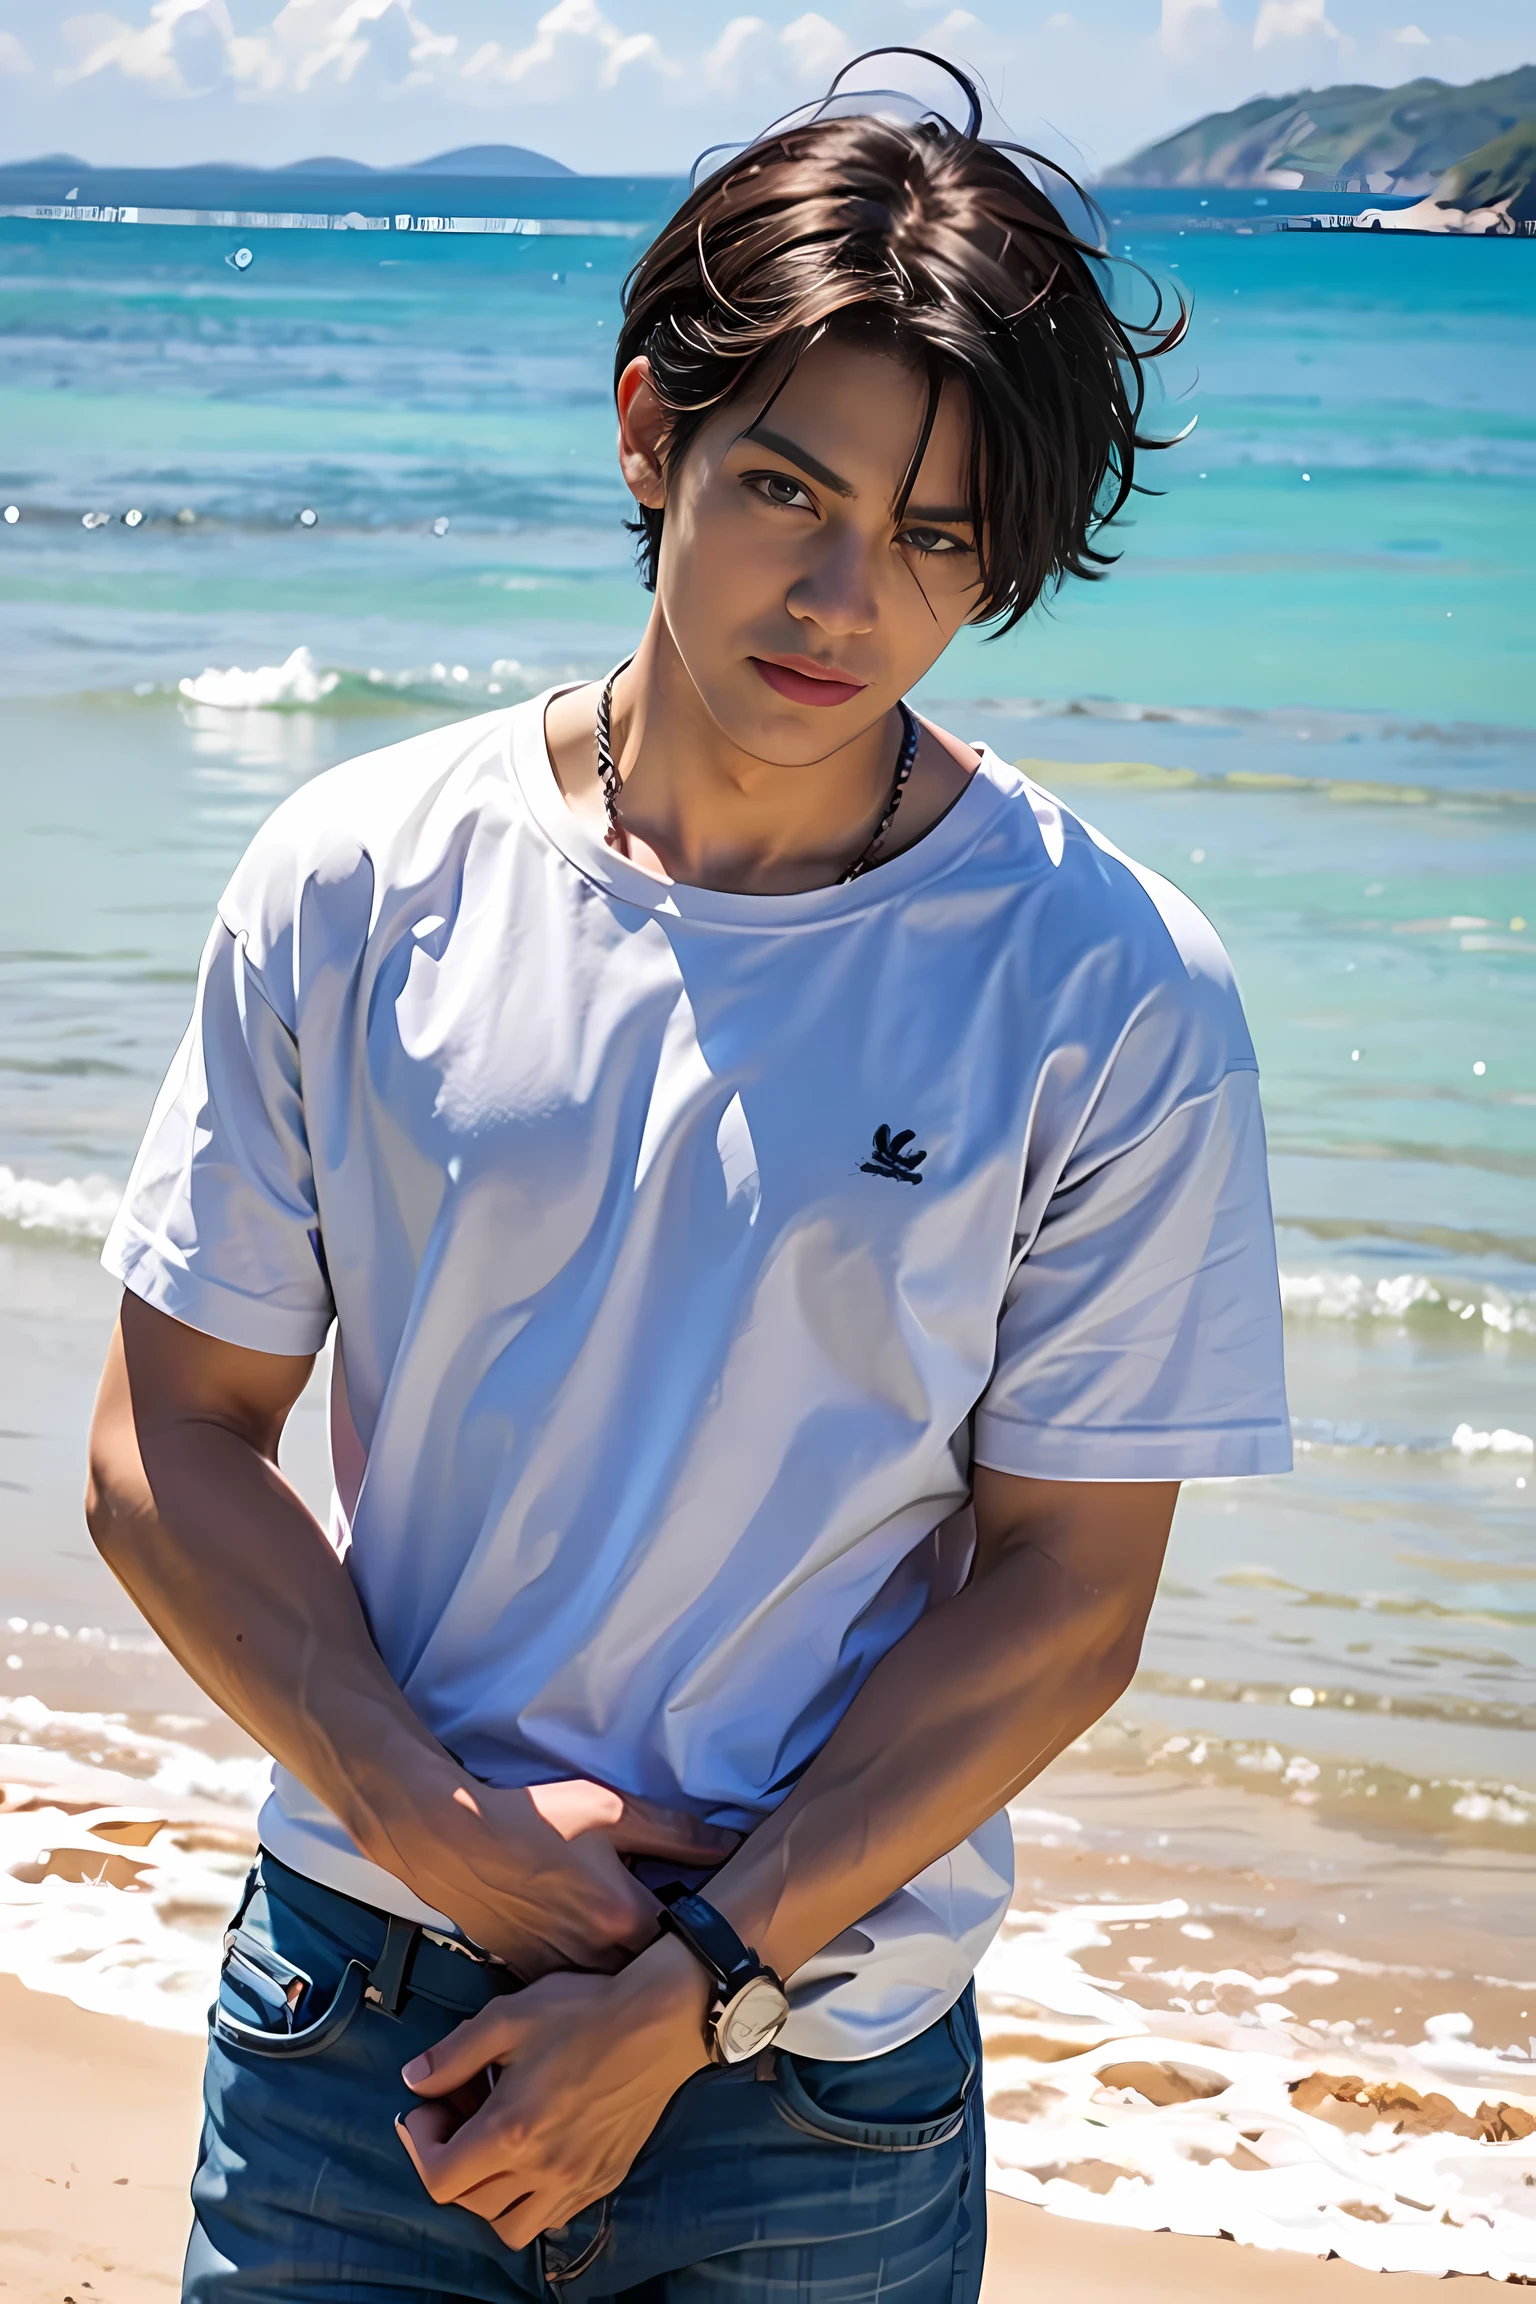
792,1203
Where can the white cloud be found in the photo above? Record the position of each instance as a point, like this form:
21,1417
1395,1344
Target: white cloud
1186,24
750,53
1292,20
957,21
179,34
13,57
722,63
1411,37
190,46
568,39
815,48
311,40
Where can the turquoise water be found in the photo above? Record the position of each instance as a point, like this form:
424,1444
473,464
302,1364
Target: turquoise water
1306,693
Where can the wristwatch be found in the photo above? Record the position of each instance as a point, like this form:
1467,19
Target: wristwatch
748,2009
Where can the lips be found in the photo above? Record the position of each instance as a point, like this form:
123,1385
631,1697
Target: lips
798,686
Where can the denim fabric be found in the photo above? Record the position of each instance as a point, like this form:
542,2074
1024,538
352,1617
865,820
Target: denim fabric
788,2181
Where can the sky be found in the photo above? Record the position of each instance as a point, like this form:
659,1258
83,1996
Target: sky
617,86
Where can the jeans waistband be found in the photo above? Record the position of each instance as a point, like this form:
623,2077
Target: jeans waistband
401,1956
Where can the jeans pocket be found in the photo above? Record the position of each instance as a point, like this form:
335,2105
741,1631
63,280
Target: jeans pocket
572,2249
263,1996
911,2099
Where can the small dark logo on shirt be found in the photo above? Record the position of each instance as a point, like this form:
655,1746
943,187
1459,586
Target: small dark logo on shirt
889,1157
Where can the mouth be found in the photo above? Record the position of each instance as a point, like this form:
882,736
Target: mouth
800,681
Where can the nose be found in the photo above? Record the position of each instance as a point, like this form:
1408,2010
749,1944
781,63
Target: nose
837,592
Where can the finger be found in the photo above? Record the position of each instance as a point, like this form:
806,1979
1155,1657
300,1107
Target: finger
453,2157
499,2196
486,2038
648,1829
421,2130
520,2225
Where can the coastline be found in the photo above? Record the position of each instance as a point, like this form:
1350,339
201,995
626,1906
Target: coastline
98,2134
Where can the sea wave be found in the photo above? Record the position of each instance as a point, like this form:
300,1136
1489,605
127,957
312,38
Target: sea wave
1310,1432
1350,1793
1401,1702
1304,723
75,1210
1349,791
301,684
304,682
1407,1299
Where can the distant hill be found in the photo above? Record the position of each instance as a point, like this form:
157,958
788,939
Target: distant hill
471,160
326,165
489,160
1504,170
1492,192
1352,138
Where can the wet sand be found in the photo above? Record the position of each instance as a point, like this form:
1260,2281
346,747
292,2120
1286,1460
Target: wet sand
98,2128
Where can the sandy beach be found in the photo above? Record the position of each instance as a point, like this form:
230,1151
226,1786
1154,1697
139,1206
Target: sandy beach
98,2128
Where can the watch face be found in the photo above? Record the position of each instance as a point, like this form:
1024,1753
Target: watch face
750,2021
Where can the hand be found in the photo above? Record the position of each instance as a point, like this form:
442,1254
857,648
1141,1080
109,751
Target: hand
588,2064
636,1827
538,1877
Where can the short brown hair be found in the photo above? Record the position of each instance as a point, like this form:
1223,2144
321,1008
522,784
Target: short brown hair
938,243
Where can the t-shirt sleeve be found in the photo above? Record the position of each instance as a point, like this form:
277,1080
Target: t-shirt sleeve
1141,1333
219,1225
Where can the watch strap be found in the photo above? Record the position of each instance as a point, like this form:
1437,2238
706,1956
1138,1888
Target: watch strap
710,1937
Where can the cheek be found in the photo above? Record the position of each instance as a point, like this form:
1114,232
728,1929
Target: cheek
927,605
716,556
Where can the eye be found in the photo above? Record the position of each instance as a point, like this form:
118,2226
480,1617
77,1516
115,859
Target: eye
932,541
778,488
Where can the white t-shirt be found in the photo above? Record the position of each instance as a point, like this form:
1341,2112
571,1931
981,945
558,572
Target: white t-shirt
685,1248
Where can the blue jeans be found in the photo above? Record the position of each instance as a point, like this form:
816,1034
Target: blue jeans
790,2179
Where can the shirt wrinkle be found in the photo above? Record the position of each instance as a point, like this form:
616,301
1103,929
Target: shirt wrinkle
658,1432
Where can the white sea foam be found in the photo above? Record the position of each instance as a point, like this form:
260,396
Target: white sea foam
1239,2156
122,1851
121,1856
1312,1432
301,683
169,1768
77,1208
1405,1297
298,680
1467,1441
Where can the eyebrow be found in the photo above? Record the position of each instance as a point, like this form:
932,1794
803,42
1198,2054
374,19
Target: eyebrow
945,514
814,469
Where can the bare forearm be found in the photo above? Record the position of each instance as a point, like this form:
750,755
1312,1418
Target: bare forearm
237,1577
189,1509
978,1697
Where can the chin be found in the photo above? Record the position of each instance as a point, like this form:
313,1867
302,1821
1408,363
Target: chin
758,720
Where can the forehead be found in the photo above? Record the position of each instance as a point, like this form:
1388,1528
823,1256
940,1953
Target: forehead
859,410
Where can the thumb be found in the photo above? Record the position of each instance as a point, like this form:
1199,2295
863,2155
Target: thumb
487,2038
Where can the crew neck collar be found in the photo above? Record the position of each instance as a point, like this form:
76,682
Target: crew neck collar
937,851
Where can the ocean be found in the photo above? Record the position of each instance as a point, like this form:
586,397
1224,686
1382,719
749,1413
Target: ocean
375,478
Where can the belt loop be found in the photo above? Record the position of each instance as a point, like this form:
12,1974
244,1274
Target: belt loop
385,1988
252,1883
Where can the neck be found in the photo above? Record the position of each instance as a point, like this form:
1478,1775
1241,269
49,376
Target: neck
719,815
703,810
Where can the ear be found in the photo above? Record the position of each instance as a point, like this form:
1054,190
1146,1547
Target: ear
642,432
